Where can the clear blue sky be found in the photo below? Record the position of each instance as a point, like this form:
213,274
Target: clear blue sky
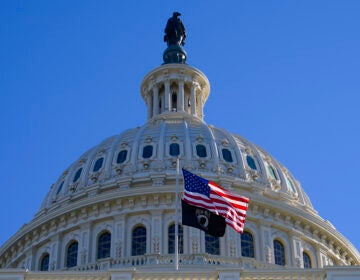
284,74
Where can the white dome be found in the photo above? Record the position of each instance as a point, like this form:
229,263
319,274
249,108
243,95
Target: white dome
229,157
129,180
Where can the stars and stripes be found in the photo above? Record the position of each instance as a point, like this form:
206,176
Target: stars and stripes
206,194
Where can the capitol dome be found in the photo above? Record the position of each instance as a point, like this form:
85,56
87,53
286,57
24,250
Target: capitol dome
114,207
152,150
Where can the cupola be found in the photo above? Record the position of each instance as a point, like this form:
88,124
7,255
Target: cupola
175,87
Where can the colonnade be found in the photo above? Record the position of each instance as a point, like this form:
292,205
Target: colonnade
174,96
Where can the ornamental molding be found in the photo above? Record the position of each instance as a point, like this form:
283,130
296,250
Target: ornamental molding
283,221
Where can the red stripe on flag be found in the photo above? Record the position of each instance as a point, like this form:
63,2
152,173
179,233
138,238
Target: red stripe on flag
221,202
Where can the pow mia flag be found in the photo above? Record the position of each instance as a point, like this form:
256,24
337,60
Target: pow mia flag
203,219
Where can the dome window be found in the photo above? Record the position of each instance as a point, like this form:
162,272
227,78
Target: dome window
60,188
272,172
121,156
279,253
98,164
201,151
71,256
247,245
171,238
104,245
174,149
147,151
138,243
227,156
77,175
306,260
251,162
44,263
212,244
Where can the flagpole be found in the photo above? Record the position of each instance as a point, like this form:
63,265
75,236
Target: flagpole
177,216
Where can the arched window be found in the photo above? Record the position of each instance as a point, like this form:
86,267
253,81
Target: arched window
212,244
201,151
104,245
247,245
60,188
44,262
279,253
174,149
121,156
251,162
77,175
98,164
171,238
138,242
147,151
306,260
227,156
71,254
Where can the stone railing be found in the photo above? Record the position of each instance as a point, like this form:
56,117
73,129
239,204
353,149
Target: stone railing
168,260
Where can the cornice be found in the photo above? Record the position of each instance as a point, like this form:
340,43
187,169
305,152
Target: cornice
139,199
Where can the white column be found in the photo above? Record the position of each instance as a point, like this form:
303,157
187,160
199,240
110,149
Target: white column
295,251
266,246
162,103
155,100
193,99
149,106
119,236
167,106
86,254
186,105
58,262
180,97
201,105
156,232
321,253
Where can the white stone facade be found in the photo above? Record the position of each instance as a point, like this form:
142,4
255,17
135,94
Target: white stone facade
129,181
198,273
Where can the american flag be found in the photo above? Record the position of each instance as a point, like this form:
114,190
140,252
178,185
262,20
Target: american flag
203,193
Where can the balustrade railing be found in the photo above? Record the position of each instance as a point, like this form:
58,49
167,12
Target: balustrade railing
167,260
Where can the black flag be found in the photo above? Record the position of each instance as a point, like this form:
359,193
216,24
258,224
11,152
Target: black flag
203,219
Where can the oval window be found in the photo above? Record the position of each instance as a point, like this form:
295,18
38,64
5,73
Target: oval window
174,149
251,162
77,175
98,164
121,156
272,172
60,187
147,151
201,151
227,156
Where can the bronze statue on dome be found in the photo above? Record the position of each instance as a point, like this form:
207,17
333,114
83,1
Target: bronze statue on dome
175,32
